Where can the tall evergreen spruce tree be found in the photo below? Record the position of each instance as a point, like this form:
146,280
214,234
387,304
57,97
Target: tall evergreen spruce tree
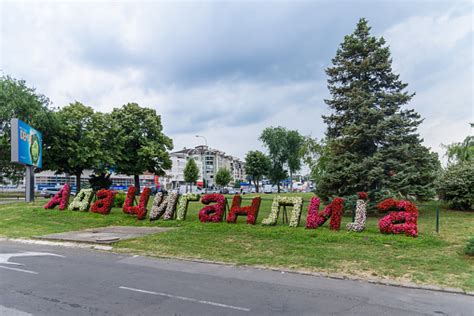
374,144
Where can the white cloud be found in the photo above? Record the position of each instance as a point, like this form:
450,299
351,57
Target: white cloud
434,54
213,70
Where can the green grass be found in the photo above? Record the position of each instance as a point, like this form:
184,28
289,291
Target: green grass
430,258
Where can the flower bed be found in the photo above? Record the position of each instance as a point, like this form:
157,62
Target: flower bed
104,203
403,221
250,211
139,210
171,207
360,214
212,213
296,202
82,200
61,198
182,208
158,207
333,211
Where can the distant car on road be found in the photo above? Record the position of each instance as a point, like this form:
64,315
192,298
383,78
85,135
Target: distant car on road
50,192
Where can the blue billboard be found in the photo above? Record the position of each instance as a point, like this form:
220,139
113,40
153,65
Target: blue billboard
26,144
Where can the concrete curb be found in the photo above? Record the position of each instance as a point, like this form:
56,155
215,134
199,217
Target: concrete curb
336,276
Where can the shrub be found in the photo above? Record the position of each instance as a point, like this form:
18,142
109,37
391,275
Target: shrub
469,249
119,199
456,186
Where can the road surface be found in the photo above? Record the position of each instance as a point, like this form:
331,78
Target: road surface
51,280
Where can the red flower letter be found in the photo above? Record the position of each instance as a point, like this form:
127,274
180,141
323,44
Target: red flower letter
139,210
214,212
251,211
333,211
61,198
403,221
104,203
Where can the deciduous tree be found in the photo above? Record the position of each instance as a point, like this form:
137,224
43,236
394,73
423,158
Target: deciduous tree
257,165
138,133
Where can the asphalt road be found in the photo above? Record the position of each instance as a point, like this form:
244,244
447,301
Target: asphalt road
55,280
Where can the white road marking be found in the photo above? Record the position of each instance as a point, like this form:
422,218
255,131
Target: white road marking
5,257
183,298
20,270
12,311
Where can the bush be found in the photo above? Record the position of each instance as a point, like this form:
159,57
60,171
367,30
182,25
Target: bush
469,249
119,199
456,186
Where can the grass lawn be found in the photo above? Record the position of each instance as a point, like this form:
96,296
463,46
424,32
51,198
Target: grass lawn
430,258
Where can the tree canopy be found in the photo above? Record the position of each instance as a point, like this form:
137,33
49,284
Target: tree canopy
17,100
191,171
223,177
138,132
77,145
257,165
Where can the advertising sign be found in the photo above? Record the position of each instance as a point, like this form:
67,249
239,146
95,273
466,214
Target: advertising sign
26,144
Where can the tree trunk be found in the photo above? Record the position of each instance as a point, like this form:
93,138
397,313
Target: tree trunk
278,186
256,185
78,182
136,178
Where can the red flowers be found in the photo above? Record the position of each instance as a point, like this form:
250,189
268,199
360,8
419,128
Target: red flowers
61,198
104,203
251,211
139,210
403,221
387,205
333,211
214,212
362,195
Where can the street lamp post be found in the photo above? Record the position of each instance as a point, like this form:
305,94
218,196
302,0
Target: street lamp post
203,163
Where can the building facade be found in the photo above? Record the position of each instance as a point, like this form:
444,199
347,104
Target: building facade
208,161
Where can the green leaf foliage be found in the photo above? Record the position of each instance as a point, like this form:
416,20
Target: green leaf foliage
223,177
456,186
17,100
138,132
373,144
257,165
191,171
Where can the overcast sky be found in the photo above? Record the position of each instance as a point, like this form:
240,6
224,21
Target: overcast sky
227,70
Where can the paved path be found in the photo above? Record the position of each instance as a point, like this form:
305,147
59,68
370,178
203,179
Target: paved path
48,280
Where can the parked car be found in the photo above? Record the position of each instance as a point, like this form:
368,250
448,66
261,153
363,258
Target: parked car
50,192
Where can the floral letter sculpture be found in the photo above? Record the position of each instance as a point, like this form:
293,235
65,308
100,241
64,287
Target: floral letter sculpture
171,207
333,211
139,210
296,202
214,212
163,205
61,198
82,200
158,207
403,221
104,203
360,214
183,205
251,211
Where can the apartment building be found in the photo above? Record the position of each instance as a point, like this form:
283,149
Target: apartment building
208,161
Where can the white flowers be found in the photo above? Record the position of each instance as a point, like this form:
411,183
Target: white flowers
360,217
183,204
296,202
82,201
